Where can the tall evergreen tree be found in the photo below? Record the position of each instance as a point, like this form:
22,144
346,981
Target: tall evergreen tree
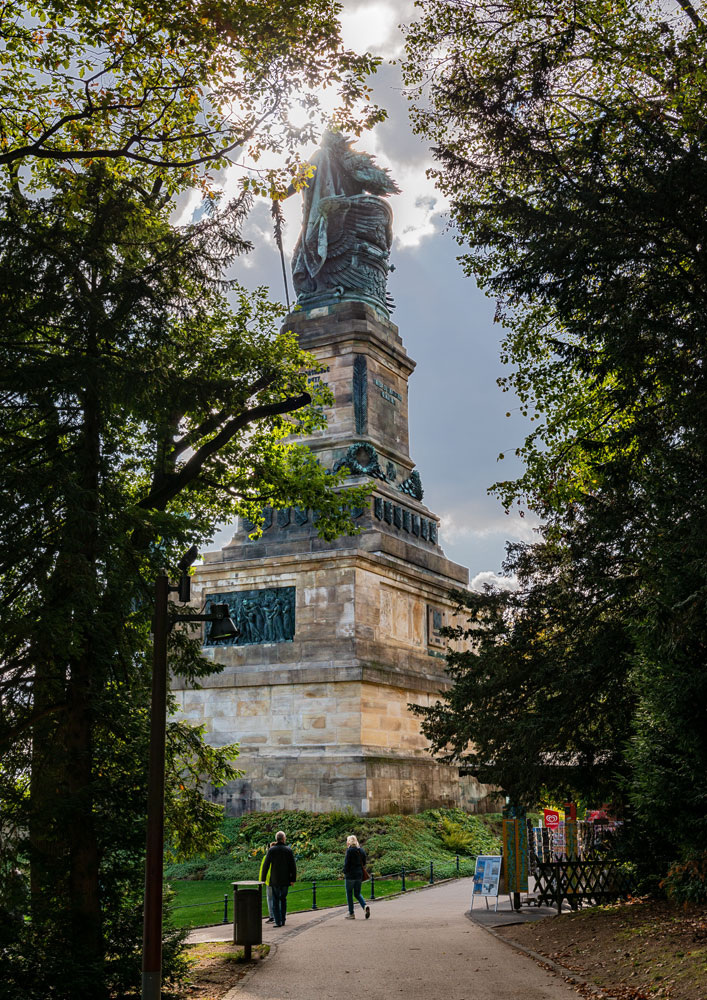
571,142
138,407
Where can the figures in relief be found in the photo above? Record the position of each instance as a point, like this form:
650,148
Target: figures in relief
261,615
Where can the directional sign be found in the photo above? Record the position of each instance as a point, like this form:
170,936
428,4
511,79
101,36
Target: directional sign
552,818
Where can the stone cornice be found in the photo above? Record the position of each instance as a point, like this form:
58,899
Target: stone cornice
376,550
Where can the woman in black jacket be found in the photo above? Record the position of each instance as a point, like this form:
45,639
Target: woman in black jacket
353,872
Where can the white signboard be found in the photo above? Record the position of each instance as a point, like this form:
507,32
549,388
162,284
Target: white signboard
486,877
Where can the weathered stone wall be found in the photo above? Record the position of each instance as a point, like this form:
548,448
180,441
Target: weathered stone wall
338,638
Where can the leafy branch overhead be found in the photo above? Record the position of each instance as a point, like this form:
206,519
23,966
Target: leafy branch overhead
170,87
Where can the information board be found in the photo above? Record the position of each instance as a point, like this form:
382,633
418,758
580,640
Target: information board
487,875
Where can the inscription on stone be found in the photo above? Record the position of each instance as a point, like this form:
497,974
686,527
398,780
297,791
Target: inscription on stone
435,621
261,615
386,392
315,374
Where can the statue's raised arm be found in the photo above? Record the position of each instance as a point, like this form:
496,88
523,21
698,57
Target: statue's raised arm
344,244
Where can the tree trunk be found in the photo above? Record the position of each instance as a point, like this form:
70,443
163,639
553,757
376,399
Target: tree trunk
65,854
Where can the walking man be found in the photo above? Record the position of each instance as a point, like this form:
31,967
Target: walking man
280,865
268,889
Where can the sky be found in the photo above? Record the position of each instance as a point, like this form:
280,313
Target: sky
458,422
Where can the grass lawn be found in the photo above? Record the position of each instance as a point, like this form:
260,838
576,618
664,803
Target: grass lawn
200,903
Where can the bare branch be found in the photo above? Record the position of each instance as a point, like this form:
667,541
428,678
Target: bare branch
691,13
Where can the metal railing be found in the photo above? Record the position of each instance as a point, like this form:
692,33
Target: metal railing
444,871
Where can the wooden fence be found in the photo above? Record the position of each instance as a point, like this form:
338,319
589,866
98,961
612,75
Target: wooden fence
578,882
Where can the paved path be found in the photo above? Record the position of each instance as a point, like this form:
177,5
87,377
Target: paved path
419,946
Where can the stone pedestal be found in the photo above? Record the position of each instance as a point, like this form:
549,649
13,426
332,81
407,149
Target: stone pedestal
338,638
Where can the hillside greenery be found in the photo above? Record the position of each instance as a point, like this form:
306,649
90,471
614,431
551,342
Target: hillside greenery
319,842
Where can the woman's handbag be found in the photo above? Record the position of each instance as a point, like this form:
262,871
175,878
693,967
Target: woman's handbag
366,876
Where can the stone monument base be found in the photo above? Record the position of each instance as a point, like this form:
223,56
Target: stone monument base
337,638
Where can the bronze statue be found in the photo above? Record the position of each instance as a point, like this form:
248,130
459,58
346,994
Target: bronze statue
344,244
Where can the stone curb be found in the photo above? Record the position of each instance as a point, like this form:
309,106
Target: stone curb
559,970
233,994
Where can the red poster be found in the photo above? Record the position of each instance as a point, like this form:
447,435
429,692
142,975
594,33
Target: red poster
552,818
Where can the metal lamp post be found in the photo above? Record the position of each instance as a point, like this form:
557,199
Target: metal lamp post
163,621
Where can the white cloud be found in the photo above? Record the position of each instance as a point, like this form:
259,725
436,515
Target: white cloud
477,523
185,205
374,27
419,208
493,580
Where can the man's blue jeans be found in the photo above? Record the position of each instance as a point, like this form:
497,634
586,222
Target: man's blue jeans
353,890
279,903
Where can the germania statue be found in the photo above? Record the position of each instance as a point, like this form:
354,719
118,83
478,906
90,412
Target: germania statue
347,228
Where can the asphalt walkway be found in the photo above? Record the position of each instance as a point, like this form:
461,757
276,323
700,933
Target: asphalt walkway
418,946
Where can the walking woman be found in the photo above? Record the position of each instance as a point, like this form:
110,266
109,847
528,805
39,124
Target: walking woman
354,873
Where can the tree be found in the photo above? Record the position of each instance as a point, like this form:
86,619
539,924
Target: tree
170,87
541,696
571,142
138,408
143,398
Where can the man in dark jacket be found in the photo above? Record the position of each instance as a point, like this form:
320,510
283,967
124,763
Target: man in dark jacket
280,862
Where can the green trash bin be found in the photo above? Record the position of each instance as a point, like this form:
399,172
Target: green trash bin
247,915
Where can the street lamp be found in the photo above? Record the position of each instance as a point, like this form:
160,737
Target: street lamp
223,628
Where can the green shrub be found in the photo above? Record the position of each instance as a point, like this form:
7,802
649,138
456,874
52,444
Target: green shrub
321,868
319,842
187,869
686,881
455,837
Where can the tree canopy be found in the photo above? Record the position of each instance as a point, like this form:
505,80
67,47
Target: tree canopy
570,140
145,396
171,86
139,407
